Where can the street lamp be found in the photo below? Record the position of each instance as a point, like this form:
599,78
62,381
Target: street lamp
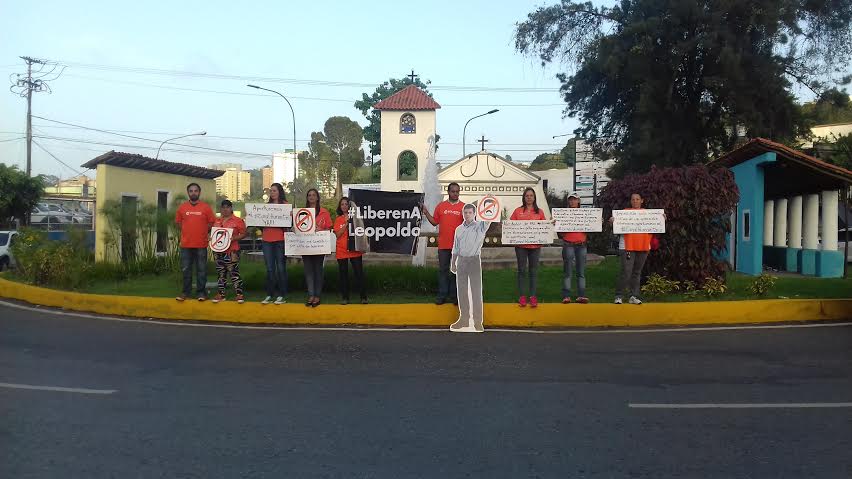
566,134
200,133
295,156
464,130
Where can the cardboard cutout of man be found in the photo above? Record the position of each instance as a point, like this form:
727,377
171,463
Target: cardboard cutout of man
466,264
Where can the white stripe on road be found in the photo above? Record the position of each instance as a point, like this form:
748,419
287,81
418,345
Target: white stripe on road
57,389
800,405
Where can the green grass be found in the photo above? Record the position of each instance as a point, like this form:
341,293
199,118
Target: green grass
405,284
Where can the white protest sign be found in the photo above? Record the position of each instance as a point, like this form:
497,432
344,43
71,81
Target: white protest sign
576,220
638,221
269,214
299,244
527,232
304,220
488,209
220,239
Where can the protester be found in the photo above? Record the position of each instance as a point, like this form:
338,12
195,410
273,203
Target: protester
194,218
272,245
466,264
314,262
447,217
344,256
636,247
228,262
573,258
528,254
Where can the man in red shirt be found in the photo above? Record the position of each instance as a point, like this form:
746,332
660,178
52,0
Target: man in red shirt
228,262
447,217
194,219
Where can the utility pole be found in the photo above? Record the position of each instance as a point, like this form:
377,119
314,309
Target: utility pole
27,84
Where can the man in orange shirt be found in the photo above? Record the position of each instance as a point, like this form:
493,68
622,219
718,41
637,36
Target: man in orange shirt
636,248
194,218
228,262
447,217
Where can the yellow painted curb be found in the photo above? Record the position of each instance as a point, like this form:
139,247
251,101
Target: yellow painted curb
496,314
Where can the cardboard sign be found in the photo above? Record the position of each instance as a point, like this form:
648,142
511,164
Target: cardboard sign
299,244
304,220
220,239
527,232
638,221
578,220
488,209
269,214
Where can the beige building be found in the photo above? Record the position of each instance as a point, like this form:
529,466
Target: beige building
266,172
235,183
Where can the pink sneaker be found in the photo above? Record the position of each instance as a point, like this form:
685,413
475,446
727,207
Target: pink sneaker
566,300
583,300
533,302
522,301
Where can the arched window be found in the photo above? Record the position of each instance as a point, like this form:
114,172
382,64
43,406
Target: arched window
407,124
407,166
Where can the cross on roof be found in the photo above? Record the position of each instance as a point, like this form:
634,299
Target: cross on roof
412,76
483,141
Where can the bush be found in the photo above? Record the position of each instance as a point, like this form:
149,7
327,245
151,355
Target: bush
714,287
52,263
762,284
698,203
657,285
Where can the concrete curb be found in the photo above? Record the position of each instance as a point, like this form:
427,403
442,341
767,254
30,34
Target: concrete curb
496,314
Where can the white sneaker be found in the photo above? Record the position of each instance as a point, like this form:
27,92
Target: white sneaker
280,300
266,300
618,300
635,300
465,329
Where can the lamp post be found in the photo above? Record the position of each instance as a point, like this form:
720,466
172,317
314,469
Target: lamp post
295,156
464,130
200,133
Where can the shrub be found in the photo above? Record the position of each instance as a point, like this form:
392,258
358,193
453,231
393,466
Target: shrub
657,285
714,287
51,263
762,284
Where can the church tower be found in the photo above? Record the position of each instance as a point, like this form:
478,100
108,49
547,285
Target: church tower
408,120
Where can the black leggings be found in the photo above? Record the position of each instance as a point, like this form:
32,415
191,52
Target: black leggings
358,269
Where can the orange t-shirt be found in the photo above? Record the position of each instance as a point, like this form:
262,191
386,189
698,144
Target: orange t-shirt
523,214
637,241
237,224
271,234
449,217
573,237
194,221
343,252
323,220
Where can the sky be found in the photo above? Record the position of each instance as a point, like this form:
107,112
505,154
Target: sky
280,45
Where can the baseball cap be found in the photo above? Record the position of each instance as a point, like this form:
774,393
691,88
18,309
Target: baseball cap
573,194
227,203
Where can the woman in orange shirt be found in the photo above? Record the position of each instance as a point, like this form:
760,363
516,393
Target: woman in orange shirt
344,256
528,254
636,248
573,257
314,262
272,246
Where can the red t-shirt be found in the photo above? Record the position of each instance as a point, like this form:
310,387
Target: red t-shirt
449,217
343,241
523,214
237,224
323,220
637,241
272,234
195,221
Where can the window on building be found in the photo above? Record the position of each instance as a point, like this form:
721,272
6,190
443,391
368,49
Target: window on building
746,225
407,165
162,226
407,124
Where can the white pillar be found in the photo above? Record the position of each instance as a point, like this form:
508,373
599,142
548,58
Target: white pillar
829,220
780,227
810,222
794,222
768,222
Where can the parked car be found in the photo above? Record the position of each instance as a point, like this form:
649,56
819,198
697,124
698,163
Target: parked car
6,240
49,213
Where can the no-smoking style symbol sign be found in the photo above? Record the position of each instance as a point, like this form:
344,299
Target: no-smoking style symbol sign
489,208
304,220
220,239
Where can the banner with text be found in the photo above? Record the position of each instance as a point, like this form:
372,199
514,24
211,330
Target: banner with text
269,214
526,232
383,221
638,221
299,244
578,220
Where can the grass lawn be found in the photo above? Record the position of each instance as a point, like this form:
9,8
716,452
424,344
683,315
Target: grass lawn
402,284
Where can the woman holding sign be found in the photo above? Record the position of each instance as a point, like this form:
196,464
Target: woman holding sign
574,257
273,253
228,261
314,262
528,254
344,256
636,248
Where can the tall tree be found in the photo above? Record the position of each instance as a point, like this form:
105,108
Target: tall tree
372,132
19,193
335,154
672,82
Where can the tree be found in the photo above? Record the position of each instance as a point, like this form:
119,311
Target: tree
837,150
548,161
19,193
344,137
373,131
833,106
669,82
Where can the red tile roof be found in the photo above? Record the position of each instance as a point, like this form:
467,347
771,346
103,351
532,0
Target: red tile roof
409,98
759,146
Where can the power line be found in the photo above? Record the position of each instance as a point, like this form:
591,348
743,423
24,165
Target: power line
13,139
120,145
57,159
165,133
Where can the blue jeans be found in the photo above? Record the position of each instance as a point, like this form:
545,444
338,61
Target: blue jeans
276,268
197,257
527,269
573,257
446,279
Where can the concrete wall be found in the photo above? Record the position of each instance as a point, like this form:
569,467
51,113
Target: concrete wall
394,143
749,177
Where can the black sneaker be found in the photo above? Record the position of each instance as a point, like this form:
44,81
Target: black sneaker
440,301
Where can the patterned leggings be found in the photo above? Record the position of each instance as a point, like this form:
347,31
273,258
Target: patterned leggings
226,265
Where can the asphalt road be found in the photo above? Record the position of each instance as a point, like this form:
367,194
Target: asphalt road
213,402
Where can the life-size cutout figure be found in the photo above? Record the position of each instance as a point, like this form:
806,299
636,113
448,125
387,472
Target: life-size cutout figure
466,264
